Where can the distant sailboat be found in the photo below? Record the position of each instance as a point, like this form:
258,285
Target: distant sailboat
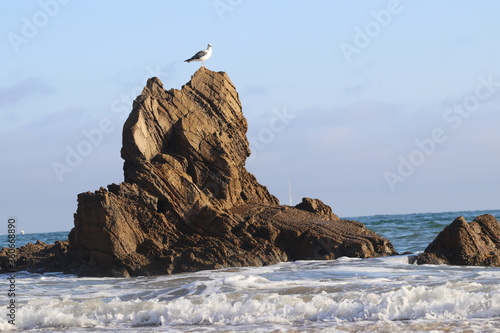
22,232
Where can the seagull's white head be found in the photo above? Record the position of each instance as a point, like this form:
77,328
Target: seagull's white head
209,46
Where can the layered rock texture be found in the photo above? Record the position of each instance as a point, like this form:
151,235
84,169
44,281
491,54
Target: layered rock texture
462,243
187,202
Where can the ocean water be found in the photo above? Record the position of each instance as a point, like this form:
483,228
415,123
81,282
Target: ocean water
342,295
49,238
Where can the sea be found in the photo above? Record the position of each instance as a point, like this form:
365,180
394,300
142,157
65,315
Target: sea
343,295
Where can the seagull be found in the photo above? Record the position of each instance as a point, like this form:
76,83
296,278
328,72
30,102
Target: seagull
201,55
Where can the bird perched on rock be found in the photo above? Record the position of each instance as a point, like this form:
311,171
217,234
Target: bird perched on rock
201,55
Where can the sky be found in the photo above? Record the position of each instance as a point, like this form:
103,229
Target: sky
374,107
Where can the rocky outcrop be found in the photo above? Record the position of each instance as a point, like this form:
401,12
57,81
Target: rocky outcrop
40,257
461,243
318,207
188,203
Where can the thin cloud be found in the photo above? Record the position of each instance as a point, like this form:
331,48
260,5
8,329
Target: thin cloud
23,90
355,90
254,91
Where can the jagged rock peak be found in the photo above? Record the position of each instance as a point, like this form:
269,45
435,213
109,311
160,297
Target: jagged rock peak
199,131
211,92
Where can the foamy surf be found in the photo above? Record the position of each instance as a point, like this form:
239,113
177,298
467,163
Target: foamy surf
343,295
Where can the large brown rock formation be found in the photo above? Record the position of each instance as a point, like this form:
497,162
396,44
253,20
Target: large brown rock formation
188,203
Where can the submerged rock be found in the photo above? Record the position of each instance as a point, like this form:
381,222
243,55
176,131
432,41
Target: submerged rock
461,243
188,203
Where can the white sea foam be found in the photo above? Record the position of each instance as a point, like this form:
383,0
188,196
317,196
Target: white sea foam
383,294
444,302
343,295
